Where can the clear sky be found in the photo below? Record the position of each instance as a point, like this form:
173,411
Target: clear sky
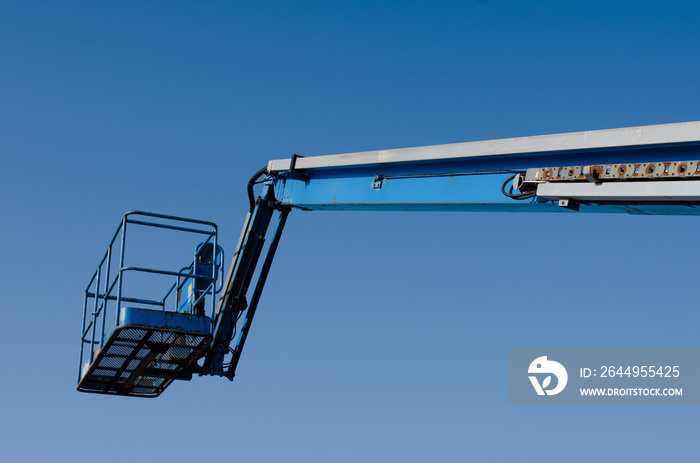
380,336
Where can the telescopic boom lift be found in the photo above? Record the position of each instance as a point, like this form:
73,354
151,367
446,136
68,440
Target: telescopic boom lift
650,170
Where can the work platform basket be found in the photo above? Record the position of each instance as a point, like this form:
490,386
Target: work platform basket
132,342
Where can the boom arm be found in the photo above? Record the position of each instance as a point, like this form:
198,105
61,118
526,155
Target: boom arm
638,170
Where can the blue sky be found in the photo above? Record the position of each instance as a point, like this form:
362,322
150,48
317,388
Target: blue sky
381,336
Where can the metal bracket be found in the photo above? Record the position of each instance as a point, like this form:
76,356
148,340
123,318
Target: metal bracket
590,174
569,204
294,173
378,182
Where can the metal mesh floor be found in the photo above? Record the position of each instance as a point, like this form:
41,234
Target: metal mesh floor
142,361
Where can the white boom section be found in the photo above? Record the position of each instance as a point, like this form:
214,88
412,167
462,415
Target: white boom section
625,138
678,191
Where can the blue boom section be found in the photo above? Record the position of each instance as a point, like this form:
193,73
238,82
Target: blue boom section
473,184
233,304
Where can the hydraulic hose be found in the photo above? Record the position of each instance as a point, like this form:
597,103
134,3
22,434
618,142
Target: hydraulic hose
251,182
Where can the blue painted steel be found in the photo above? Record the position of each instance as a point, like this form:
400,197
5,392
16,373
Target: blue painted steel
96,312
193,287
470,184
146,353
455,193
395,193
120,273
170,321
233,299
109,268
262,277
204,272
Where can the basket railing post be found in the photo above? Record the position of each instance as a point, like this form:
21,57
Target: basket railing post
95,314
82,335
214,271
105,300
121,271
